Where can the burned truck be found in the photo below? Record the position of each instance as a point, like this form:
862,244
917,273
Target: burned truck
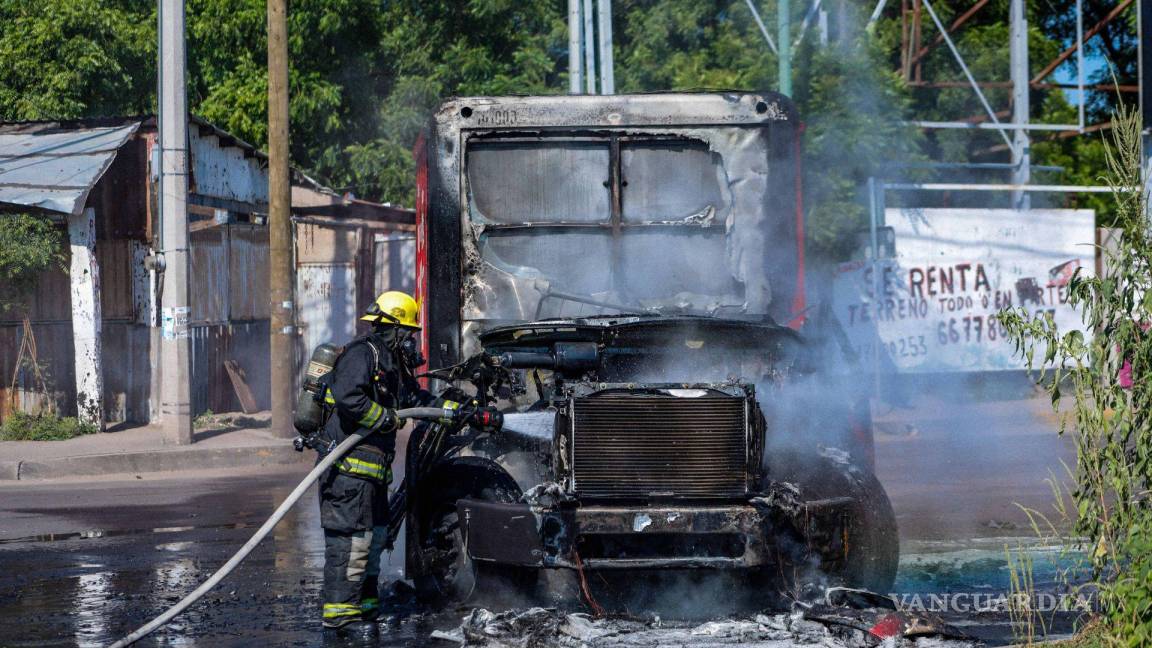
624,276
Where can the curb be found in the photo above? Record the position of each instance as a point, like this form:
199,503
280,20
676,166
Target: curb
151,462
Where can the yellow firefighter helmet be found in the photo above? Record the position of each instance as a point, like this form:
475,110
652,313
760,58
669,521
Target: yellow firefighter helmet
394,307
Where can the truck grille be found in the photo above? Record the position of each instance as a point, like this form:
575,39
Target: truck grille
629,446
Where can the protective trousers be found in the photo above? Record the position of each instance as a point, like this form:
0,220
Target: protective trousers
353,499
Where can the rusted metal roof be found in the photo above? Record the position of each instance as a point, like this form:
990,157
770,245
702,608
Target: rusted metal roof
48,166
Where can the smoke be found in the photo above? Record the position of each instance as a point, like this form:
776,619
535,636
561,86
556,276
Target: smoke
833,405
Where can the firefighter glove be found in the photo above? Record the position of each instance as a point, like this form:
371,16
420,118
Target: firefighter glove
387,421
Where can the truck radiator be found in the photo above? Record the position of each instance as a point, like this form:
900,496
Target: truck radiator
640,446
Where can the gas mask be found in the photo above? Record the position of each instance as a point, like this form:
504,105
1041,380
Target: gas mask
403,345
408,349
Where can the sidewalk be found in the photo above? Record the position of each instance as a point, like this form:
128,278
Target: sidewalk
233,441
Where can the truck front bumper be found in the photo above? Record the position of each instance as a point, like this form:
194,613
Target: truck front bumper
616,537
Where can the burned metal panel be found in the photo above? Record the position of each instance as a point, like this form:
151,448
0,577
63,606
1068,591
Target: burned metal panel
224,170
518,182
248,268
673,179
212,345
208,278
616,537
506,533
695,253
736,167
442,252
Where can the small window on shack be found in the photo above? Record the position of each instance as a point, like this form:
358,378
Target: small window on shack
568,225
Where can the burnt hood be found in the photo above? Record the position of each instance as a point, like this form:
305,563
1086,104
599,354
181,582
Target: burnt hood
648,347
609,329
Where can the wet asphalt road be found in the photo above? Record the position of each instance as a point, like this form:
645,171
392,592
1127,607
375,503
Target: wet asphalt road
81,564
84,562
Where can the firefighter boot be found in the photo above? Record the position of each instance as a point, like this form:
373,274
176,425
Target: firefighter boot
355,633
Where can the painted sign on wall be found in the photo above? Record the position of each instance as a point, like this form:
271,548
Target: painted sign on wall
933,307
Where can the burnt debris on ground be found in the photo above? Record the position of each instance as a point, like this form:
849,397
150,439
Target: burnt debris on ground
850,619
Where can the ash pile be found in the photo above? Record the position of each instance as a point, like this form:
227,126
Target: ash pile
844,619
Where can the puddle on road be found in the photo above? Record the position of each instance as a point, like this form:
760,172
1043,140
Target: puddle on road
91,534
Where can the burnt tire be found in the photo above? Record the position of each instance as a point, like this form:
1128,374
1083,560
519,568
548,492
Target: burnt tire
874,556
867,554
450,573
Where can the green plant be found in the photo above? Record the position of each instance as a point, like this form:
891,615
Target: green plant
29,245
19,426
1024,616
205,419
1111,395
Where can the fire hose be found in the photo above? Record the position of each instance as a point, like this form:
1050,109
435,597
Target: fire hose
428,413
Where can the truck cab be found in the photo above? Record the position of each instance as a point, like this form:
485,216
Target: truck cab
633,266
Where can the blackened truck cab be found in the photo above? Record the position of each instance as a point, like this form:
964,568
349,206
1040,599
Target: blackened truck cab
633,263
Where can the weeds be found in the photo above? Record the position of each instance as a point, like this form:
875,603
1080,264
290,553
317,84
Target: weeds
1110,378
27,427
205,419
1021,593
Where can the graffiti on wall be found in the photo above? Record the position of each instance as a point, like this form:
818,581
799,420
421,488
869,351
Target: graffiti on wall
933,306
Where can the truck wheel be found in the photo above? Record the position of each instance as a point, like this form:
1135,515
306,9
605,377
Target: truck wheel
452,575
872,554
875,555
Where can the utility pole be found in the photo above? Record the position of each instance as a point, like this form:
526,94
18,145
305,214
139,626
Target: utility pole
1021,108
175,348
589,50
607,74
784,45
280,265
575,62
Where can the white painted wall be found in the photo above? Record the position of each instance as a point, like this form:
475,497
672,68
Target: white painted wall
85,287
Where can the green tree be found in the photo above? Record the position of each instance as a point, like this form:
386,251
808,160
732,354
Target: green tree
850,105
433,50
29,245
73,58
983,41
335,73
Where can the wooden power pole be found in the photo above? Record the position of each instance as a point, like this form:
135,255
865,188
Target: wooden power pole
280,265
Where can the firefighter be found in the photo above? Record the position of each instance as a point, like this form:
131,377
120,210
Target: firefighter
371,379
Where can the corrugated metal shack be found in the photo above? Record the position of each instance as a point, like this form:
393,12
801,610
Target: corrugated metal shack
101,173
348,251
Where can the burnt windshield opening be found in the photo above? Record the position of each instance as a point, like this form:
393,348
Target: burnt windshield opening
582,224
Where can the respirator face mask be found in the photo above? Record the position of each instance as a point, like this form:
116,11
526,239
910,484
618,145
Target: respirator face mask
408,348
